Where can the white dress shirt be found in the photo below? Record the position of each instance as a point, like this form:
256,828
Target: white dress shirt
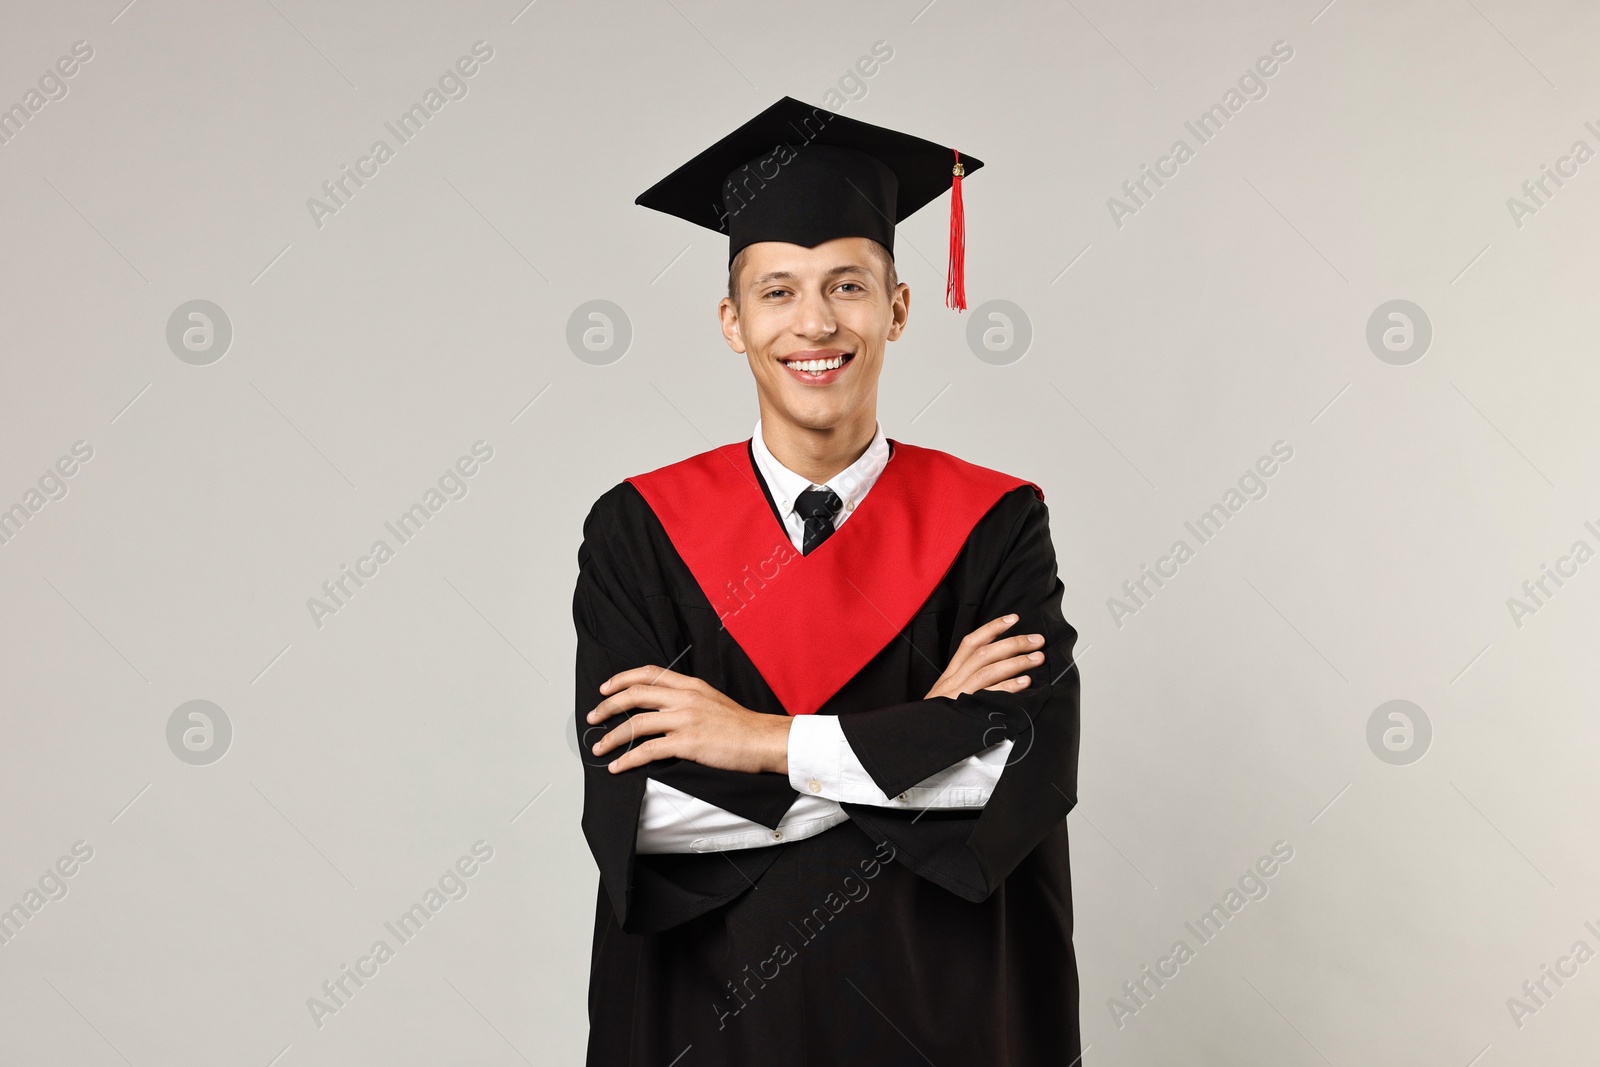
823,769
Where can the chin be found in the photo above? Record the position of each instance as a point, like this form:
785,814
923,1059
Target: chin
818,418
811,417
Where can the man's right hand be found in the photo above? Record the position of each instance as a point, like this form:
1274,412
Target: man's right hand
984,660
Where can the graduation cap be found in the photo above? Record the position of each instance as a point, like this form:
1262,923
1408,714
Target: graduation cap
804,175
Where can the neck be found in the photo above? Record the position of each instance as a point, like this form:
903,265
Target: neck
818,454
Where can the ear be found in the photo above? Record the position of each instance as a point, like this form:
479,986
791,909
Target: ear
730,325
899,310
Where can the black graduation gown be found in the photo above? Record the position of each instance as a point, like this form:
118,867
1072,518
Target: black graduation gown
896,937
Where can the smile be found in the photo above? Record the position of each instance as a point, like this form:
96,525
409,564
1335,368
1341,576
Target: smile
817,371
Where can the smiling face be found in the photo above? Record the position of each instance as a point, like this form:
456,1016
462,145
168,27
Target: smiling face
829,308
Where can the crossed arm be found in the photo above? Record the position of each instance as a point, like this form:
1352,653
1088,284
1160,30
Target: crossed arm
699,723
678,731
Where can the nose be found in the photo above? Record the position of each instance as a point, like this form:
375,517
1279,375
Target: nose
814,318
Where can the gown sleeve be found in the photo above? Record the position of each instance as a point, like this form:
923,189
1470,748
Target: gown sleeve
822,770
625,619
971,853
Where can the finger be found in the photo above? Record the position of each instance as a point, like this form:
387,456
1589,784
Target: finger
651,722
1006,647
975,641
1007,668
639,755
649,674
1019,644
1011,685
989,631
635,696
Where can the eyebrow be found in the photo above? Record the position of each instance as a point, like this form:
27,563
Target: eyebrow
788,276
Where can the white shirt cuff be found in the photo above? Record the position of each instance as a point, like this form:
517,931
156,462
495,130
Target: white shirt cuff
822,764
671,820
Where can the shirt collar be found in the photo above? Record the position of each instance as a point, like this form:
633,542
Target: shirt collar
851,484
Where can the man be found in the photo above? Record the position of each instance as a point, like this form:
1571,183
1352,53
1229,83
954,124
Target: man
825,690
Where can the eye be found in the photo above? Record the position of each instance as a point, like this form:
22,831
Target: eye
852,285
774,292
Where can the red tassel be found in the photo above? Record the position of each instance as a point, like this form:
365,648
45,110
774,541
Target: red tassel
955,289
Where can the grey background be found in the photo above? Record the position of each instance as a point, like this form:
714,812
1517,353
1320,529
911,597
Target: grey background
1167,355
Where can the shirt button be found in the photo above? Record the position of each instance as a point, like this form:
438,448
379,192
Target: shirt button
902,796
814,785
850,506
777,835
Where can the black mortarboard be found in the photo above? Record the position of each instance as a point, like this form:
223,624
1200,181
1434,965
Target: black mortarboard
805,175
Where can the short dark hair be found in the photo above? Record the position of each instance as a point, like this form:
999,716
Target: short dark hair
890,274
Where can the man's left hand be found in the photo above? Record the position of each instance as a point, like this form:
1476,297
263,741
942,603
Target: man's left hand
695,722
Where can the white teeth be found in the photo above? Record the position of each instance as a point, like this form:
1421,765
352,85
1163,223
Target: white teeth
816,365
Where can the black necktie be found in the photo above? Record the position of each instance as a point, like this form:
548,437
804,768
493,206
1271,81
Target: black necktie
817,507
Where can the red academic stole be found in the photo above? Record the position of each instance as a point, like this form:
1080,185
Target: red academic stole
856,591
